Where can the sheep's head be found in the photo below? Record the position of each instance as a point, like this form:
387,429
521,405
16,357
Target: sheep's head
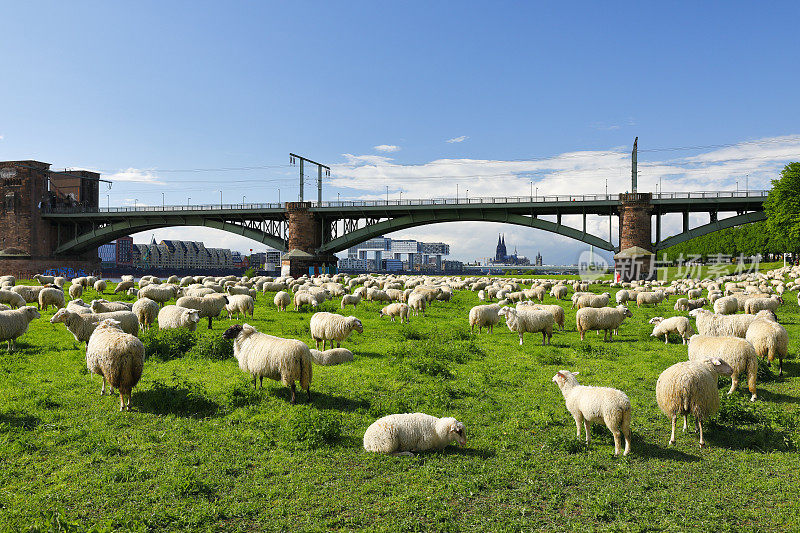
625,311
655,320
232,332
60,316
564,377
356,324
456,432
192,315
720,366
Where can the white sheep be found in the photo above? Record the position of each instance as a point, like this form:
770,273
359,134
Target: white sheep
240,304
82,325
305,298
648,298
593,300
394,310
146,311
484,316
11,298
326,326
282,300
75,291
556,310
524,320
104,306
209,306
14,324
737,352
175,317
79,306
418,303
123,286
159,293
100,285
44,280
712,324
334,356
606,319
690,388
350,299
29,292
754,305
769,339
402,434
676,324
727,305
597,404
559,292
51,296
262,355
116,356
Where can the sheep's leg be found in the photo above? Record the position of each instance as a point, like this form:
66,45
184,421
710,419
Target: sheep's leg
544,336
308,392
260,382
254,382
209,322
700,427
780,367
685,423
734,383
752,374
338,344
583,334
293,391
666,338
617,441
674,422
121,400
587,426
578,423
520,338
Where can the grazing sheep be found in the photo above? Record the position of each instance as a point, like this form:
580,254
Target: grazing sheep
676,324
769,339
592,300
334,356
263,355
418,303
559,292
737,352
240,304
29,292
176,317
282,300
326,326
694,293
100,285
377,295
159,293
709,323
44,280
51,296
273,286
116,356
104,306
606,319
304,298
623,296
754,305
11,298
146,311
395,310
650,298
60,281
402,434
484,316
123,286
727,305
683,304
75,291
81,325
597,404
690,388
78,306
524,320
556,310
14,324
209,306
350,299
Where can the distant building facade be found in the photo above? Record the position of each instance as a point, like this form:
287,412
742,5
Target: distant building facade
384,253
501,256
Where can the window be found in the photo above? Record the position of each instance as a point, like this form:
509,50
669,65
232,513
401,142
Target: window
8,201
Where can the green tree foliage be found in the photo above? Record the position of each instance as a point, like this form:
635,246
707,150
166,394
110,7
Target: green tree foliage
783,209
746,240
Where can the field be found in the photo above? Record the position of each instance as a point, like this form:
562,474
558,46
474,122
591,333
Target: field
203,451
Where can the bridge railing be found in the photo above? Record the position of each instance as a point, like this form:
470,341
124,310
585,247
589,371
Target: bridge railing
160,208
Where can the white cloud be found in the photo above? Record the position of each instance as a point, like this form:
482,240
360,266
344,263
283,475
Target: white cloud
136,175
459,139
388,148
2,137
134,202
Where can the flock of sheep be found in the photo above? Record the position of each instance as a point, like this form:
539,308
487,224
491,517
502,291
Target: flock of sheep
727,342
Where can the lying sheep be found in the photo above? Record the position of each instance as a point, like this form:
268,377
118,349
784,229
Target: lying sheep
282,300
262,355
690,388
402,434
484,316
597,404
737,352
676,324
116,356
304,298
606,319
334,356
209,306
146,311
104,306
82,325
14,324
51,296
11,298
240,304
525,320
326,326
395,310
769,339
350,299
176,317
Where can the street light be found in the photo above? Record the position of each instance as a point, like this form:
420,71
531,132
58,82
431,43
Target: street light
387,194
220,199
279,196
467,194
162,200
135,201
187,201
337,198
531,188
606,186
401,197
537,194
108,202
244,197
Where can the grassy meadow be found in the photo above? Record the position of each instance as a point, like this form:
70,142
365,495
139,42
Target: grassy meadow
203,451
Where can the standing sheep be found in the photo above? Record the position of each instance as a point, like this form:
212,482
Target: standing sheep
104,306
402,434
14,324
607,319
100,285
51,296
769,339
737,352
648,298
116,356
529,321
75,291
556,310
11,298
727,305
326,326
82,325
484,316
159,293
304,298
709,323
350,299
597,404
418,303
262,355
593,300
676,324
690,388
175,317
240,304
282,300
395,310
123,286
146,311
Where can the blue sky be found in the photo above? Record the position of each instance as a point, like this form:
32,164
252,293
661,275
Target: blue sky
140,90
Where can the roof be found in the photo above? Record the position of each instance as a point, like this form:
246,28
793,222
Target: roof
633,252
297,254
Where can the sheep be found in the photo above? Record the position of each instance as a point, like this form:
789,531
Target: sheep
123,286
81,325
690,388
209,306
14,324
334,356
176,317
394,310
78,306
116,356
647,298
100,285
11,298
754,305
159,293
240,304
694,293
60,281
282,300
607,319
261,355
272,286
727,305
709,323
75,291
104,306
684,304
402,434
623,296
29,292
529,321
597,404
326,326
559,292
240,290
769,339
484,316
592,300
675,324
350,299
44,280
377,295
146,311
418,303
51,296
556,310
737,352
304,298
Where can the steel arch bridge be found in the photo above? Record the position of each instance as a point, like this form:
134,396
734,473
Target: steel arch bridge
345,224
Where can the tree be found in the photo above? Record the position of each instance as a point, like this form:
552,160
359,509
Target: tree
783,209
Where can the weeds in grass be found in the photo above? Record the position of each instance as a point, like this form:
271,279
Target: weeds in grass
167,344
309,429
212,346
181,398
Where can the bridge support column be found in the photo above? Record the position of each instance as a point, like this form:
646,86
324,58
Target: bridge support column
635,259
303,238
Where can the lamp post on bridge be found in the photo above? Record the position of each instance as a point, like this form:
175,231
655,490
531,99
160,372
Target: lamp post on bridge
108,202
162,200
220,199
387,195
187,200
244,197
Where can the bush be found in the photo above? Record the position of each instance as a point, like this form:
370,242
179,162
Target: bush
309,429
166,344
213,347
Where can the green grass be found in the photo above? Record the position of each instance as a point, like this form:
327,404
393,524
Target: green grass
203,451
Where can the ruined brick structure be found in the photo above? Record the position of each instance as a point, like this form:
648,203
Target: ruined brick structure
303,233
635,231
